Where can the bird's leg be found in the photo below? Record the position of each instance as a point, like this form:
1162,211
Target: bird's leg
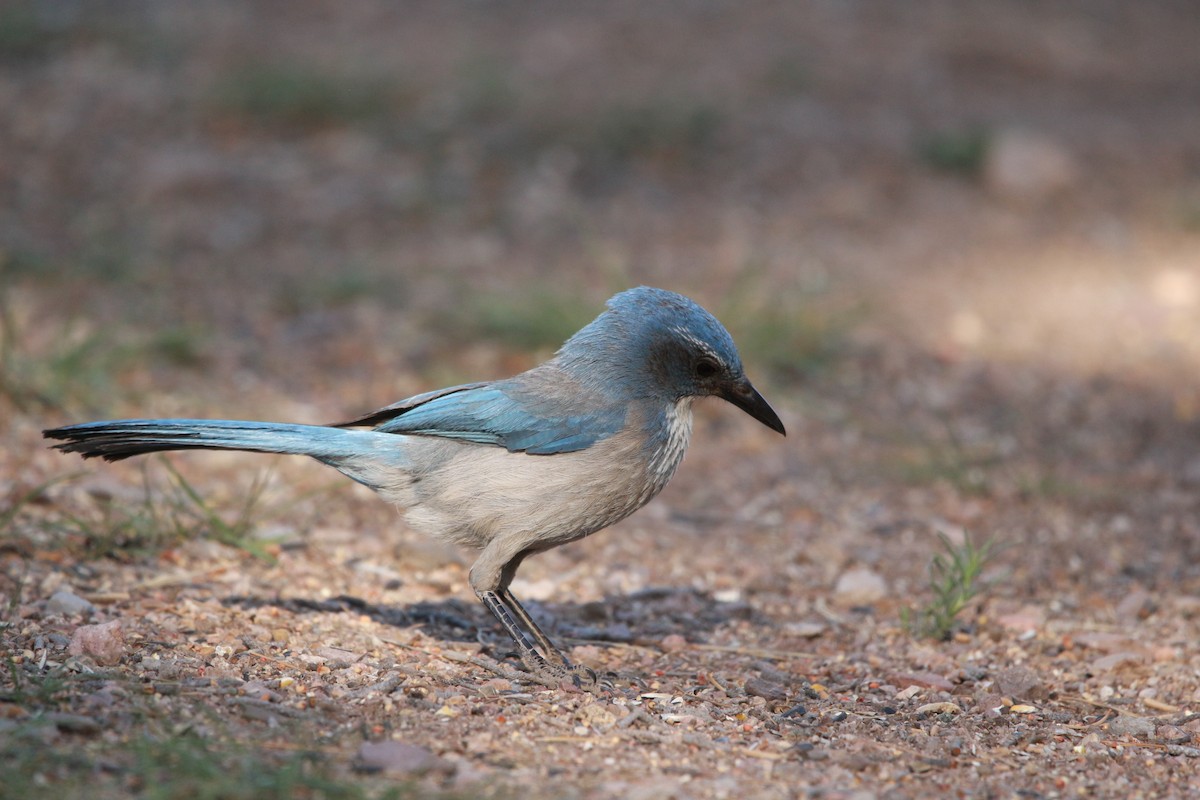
549,651
556,670
551,654
531,657
490,576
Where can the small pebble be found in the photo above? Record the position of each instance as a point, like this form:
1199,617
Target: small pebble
1019,682
672,643
1179,750
1172,734
768,690
1133,726
860,586
68,604
1114,661
806,630
105,643
1136,606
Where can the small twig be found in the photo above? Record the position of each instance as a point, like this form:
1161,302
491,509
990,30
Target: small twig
1097,704
1158,705
636,713
646,736
1147,745
754,652
763,754
264,657
497,668
175,579
384,687
106,597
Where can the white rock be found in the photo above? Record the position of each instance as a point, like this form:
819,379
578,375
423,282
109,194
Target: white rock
1024,166
860,585
69,604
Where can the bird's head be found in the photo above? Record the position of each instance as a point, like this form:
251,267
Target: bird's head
676,349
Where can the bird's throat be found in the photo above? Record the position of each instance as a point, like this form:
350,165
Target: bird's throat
675,437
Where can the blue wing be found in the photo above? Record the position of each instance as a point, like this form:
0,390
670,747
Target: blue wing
532,416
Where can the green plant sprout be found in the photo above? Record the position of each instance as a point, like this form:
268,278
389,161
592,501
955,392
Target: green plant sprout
954,583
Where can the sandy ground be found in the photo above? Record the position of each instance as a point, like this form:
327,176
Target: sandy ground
959,245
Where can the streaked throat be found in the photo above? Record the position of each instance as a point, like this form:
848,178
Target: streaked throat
674,444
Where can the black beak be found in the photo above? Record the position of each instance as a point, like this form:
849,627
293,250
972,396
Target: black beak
743,395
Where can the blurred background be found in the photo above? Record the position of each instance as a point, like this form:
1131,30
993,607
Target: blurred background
383,189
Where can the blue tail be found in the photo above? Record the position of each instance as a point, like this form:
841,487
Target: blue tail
117,439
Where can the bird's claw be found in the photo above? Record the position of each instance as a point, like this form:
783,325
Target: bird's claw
583,677
568,676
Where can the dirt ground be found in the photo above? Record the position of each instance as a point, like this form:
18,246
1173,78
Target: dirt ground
958,243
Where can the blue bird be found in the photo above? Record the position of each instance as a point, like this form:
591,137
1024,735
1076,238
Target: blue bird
516,466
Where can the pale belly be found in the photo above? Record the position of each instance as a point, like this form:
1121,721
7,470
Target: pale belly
477,493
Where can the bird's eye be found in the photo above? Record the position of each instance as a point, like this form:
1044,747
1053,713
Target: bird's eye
706,368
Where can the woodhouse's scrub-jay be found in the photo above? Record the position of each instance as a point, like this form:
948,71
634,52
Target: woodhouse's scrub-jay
516,466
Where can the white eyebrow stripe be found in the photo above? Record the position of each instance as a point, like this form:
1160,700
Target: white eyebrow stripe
697,343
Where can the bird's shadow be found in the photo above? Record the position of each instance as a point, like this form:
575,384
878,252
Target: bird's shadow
644,616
